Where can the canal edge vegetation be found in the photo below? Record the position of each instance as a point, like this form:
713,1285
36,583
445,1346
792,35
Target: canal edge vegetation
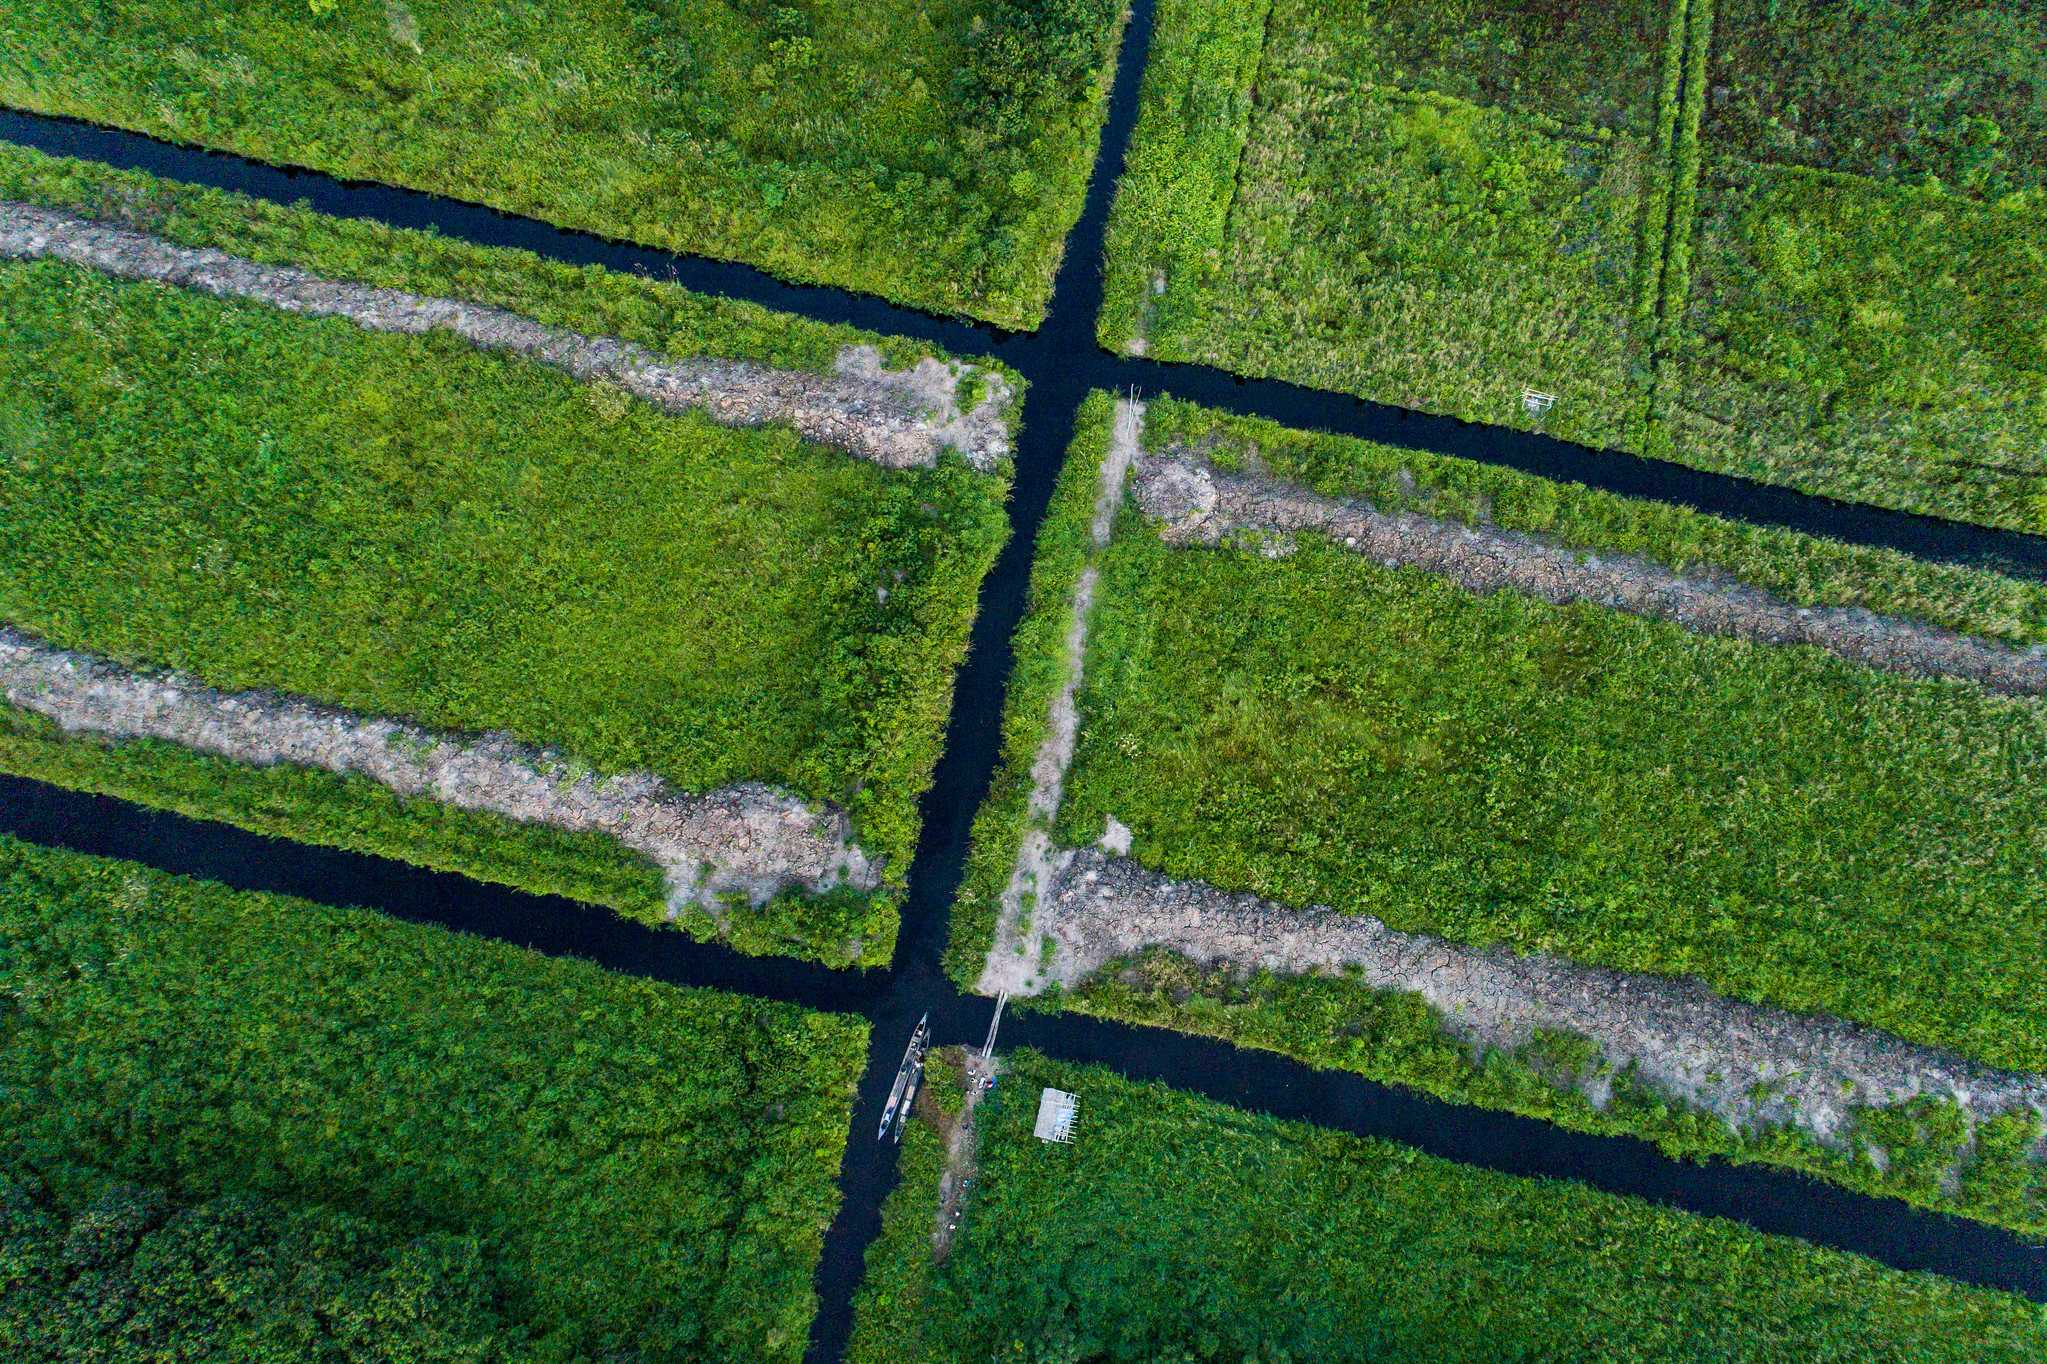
1143,1239
638,1165
964,530
938,159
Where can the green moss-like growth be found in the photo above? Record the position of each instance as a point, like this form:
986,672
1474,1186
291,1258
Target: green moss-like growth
641,1167
935,154
1175,1228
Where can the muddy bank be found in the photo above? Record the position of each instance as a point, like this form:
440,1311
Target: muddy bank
899,419
1013,959
1750,1066
1199,504
742,840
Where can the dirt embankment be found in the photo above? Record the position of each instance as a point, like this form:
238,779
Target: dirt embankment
897,418
973,1073
1199,504
746,839
1013,960
1751,1066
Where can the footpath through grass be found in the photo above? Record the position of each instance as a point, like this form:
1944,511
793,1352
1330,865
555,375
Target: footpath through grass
933,153
642,1169
1320,729
1435,206
1176,1228
406,526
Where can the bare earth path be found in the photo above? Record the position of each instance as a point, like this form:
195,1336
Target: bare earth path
1061,363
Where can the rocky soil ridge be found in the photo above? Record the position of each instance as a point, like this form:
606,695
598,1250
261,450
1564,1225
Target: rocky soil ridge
1750,1065
747,839
896,418
1198,504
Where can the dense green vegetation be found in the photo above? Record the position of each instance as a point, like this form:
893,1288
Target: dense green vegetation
1882,339
1175,1228
1875,342
1905,89
933,153
1791,827
1429,205
641,1168
476,542
132,1274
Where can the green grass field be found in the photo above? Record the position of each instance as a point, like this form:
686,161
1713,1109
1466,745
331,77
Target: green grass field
1428,206
476,542
642,1167
1866,315
936,154
1175,1228
1324,729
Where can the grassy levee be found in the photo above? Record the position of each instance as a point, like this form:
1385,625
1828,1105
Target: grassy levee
1866,311
937,155
640,1169
406,526
1797,830
1390,204
1177,1228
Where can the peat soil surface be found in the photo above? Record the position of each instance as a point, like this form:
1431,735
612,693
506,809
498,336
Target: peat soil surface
1062,363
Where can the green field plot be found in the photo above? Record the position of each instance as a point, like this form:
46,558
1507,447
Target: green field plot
406,526
1902,89
933,153
1426,206
1319,729
1790,826
1176,1228
1866,317
604,1166
1880,343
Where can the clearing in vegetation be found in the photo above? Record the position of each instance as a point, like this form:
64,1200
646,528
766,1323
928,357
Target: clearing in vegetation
936,154
1867,315
408,527
1174,1227
1425,204
628,1166
1282,716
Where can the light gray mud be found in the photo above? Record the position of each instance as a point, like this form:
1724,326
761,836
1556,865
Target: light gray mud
1751,1066
1012,963
745,839
1199,504
898,419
